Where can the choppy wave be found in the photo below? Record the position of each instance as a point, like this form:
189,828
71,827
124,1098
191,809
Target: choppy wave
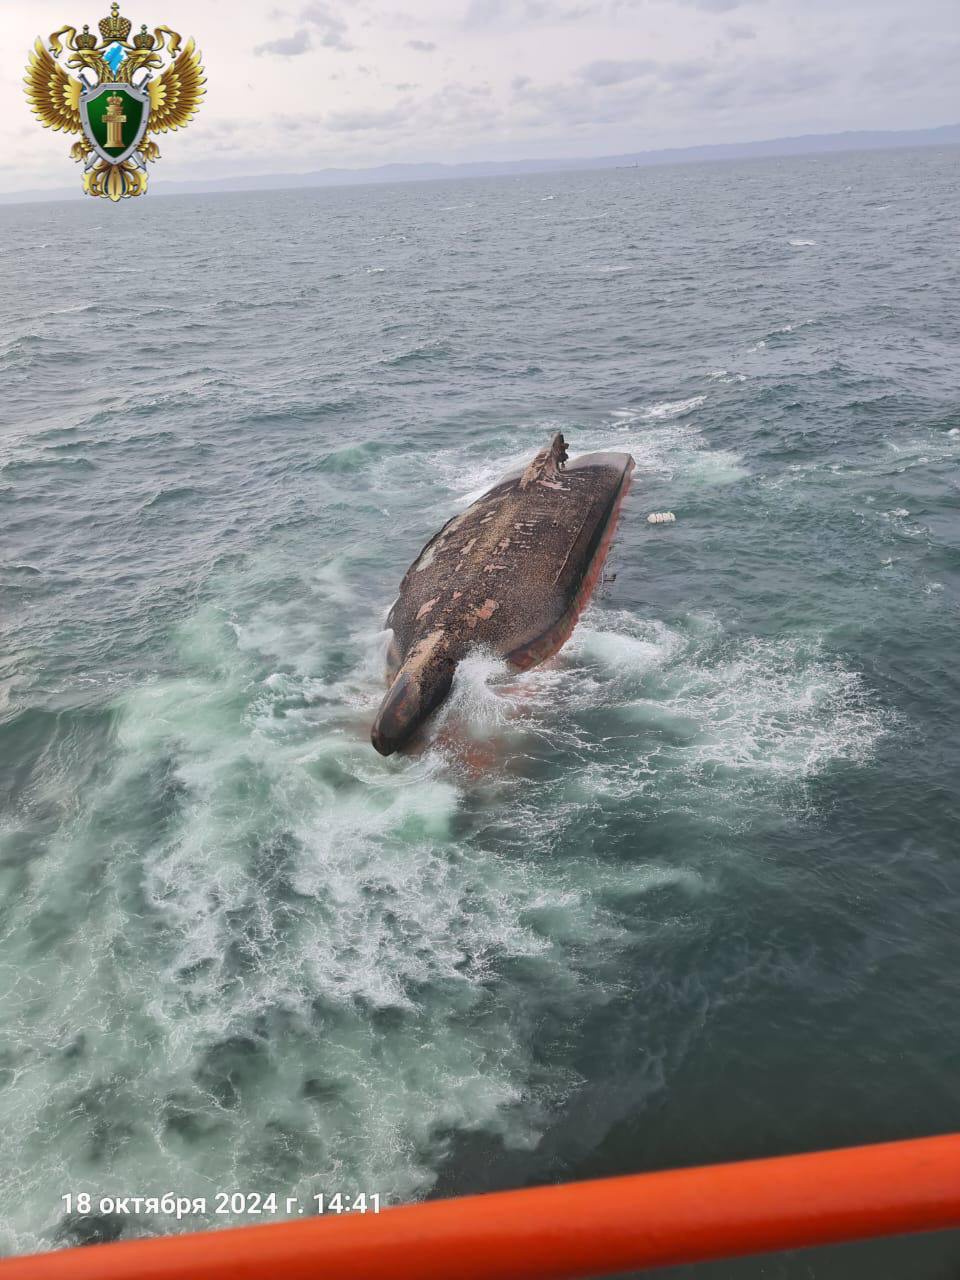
309,918
435,349
709,840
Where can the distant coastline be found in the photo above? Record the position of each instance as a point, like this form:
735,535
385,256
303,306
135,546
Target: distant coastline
807,144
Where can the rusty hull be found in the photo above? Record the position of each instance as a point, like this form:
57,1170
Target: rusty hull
510,574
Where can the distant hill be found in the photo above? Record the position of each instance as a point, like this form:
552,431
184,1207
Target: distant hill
808,144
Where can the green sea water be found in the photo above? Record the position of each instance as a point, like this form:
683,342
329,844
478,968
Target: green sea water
701,900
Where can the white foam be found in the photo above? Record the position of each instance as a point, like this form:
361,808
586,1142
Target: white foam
484,474
776,707
634,651
475,703
372,858
393,910
791,328
673,408
670,444
803,244
721,726
341,917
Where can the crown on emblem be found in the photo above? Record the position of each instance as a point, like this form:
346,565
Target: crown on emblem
143,39
86,39
115,27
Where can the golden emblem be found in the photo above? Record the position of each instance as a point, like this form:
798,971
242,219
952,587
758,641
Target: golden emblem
120,93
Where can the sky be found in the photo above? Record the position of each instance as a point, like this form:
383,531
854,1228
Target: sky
294,87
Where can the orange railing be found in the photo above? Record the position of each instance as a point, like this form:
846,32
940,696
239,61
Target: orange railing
575,1230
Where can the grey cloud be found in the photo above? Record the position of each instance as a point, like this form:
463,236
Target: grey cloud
708,6
620,93
454,109
901,68
762,82
678,72
287,46
571,105
546,11
321,22
227,126
330,26
608,71
715,6
294,124
450,109
782,78
482,13
722,73
361,121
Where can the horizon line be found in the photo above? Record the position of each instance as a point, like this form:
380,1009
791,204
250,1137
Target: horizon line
440,170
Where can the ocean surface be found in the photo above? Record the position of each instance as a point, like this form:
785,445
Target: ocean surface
690,892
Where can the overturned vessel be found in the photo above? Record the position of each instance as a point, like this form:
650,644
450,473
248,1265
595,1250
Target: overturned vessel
511,574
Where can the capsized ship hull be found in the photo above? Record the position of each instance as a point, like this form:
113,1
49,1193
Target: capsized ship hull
511,574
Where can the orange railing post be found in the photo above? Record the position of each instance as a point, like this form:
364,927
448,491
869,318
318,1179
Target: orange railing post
558,1233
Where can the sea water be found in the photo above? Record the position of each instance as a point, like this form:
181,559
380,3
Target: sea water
693,891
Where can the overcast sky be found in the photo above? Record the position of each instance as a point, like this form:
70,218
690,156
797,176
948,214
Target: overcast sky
300,86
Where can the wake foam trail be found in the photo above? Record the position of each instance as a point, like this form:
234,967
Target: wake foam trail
306,966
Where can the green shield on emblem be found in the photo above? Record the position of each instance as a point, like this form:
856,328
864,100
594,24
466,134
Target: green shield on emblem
114,119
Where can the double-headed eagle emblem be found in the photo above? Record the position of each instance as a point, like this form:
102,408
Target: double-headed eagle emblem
120,93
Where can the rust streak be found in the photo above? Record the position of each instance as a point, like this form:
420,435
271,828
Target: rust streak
573,543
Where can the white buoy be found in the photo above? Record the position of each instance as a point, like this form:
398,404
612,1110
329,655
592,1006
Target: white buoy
661,517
